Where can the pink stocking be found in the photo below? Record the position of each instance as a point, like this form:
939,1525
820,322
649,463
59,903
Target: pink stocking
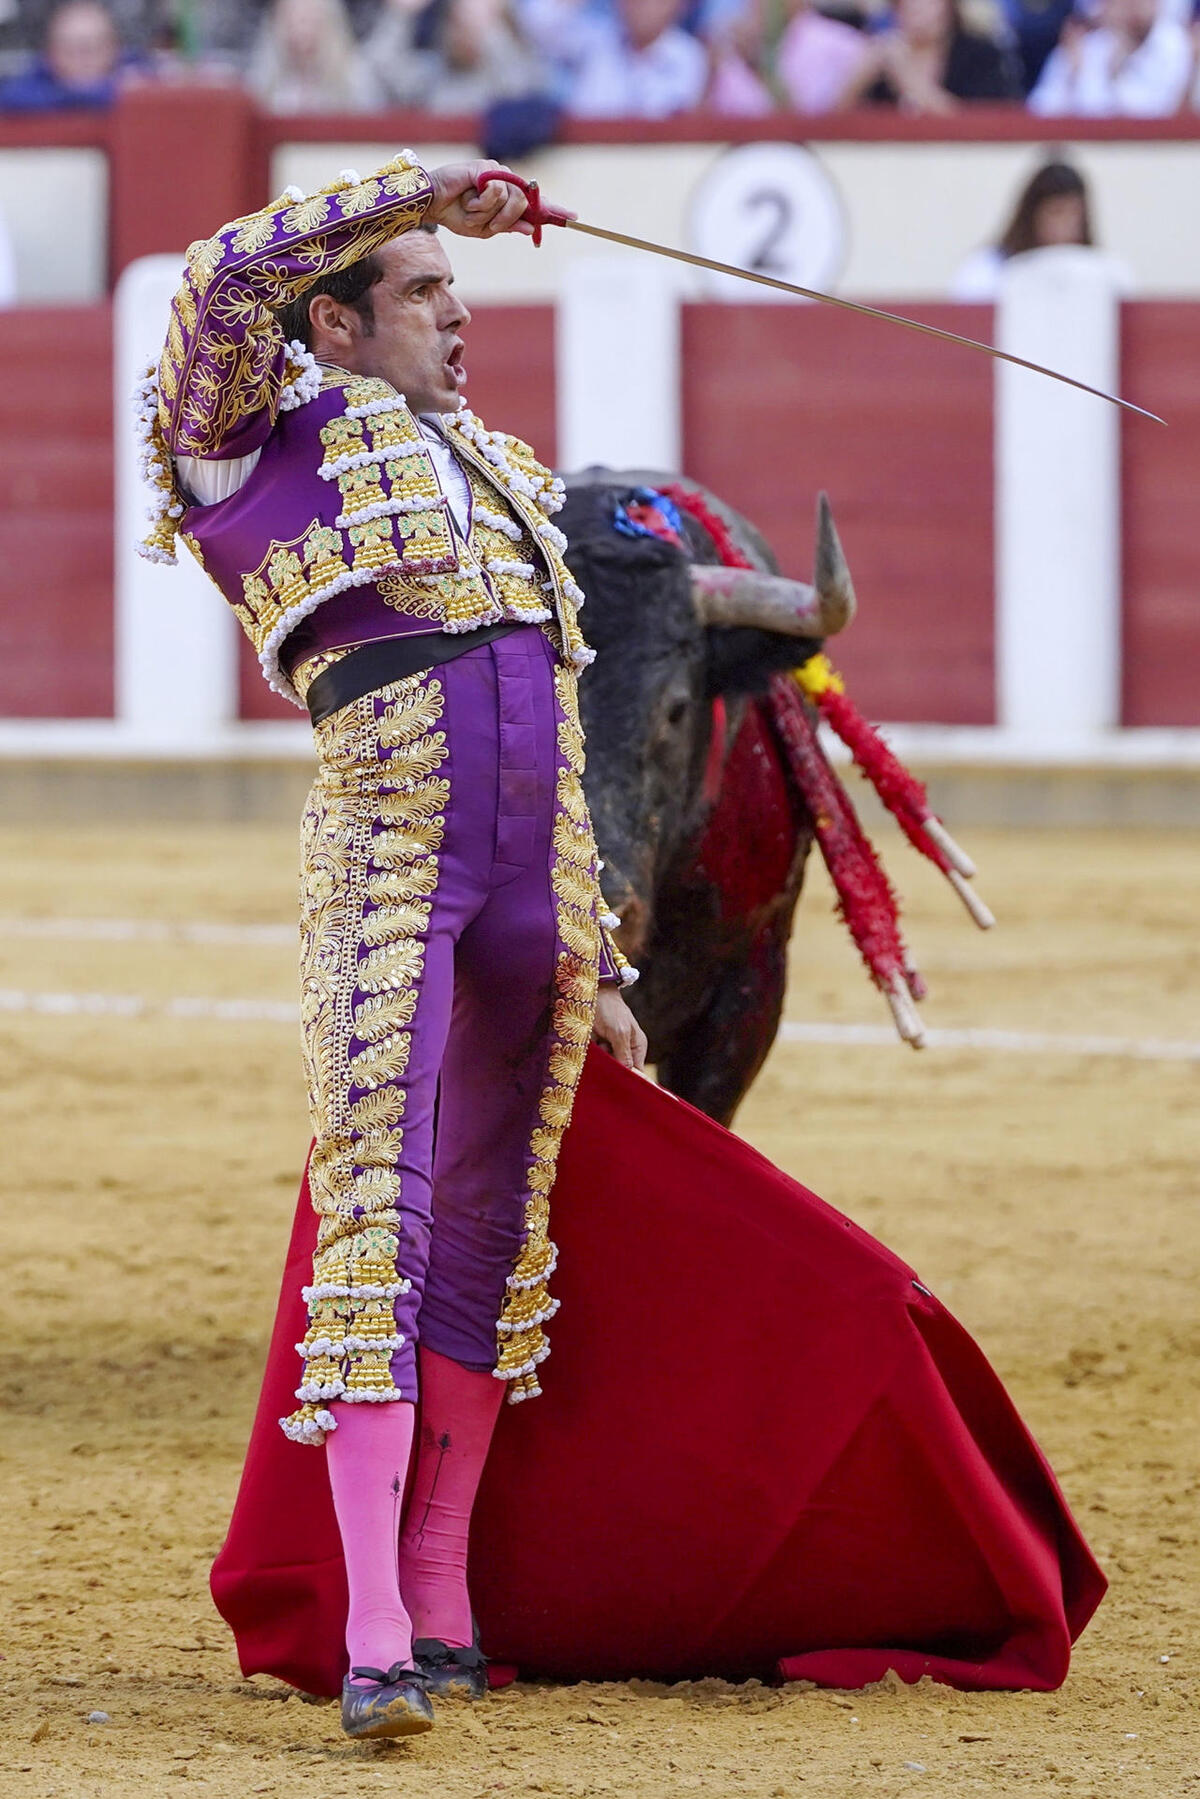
458,1415
368,1462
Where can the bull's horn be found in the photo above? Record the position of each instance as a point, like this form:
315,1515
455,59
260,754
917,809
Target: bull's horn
832,572
748,596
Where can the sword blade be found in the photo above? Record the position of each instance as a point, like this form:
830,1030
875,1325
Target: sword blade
869,312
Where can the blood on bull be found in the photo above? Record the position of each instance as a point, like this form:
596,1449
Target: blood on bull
675,748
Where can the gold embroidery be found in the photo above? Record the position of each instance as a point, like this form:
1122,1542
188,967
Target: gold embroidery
306,215
372,829
168,378
198,427
235,304
185,305
203,260
306,673
522,1344
278,583
373,546
359,199
383,1013
255,234
341,437
407,180
408,595
361,487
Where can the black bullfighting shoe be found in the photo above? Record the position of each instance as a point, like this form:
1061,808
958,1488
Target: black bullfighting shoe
391,1704
452,1673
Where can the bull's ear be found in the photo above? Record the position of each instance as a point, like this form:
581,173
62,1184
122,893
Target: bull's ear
742,659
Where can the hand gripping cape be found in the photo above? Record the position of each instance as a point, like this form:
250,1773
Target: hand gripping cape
764,1448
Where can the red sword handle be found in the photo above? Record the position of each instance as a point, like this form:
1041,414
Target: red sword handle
538,212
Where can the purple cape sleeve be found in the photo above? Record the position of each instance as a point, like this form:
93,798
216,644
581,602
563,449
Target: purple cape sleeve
223,363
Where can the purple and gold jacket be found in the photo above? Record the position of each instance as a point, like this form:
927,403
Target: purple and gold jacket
344,506
345,494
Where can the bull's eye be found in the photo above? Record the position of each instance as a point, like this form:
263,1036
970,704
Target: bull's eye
677,712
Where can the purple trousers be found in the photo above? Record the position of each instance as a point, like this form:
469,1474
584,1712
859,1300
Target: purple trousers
448,977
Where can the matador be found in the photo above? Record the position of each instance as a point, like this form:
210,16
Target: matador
395,565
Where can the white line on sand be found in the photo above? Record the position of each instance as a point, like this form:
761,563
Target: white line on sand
871,1036
133,1005
1017,1043
146,930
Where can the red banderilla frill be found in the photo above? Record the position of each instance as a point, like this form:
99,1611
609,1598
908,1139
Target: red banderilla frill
866,901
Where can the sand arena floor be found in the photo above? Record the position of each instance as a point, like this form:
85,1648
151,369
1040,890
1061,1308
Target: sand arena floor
149,1172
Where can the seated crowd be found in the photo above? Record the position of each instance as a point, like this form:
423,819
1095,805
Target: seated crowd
532,61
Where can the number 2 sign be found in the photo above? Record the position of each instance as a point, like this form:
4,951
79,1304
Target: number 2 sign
771,208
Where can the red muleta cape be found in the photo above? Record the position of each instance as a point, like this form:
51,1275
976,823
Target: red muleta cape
763,1448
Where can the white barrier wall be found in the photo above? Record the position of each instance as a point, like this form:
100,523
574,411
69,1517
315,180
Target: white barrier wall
617,365
913,211
176,640
1058,502
54,214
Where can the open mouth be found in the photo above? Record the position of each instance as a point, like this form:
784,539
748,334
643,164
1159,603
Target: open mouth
454,364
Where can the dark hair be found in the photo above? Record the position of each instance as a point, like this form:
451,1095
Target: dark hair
1053,181
349,287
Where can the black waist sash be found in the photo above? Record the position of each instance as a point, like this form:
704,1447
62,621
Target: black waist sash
390,659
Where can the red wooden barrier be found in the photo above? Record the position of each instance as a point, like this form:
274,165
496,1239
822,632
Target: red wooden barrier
1160,363
183,160
780,401
777,402
56,513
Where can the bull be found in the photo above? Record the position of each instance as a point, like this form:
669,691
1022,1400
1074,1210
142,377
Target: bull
703,833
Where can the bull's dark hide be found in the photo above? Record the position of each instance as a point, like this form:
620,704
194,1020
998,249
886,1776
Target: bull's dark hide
705,877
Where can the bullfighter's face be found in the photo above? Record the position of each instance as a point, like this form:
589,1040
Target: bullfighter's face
410,335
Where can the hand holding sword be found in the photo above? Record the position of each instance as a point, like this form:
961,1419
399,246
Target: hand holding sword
536,213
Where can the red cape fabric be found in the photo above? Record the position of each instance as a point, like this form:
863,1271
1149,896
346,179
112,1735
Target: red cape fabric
763,1446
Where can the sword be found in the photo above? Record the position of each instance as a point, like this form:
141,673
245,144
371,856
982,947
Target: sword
539,213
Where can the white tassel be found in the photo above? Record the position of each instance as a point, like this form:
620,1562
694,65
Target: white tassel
385,403
305,384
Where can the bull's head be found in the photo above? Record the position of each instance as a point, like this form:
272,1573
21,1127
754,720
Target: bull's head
673,632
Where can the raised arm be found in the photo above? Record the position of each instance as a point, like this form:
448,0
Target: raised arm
224,363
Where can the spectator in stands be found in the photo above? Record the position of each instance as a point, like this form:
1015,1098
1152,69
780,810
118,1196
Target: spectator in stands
929,61
1052,208
1135,61
228,29
306,60
1035,26
632,60
81,63
452,56
24,23
810,65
